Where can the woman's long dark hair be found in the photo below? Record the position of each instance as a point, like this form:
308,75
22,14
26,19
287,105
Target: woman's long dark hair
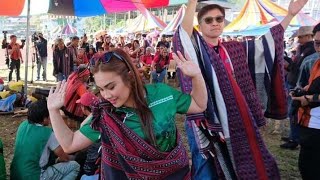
166,58
130,76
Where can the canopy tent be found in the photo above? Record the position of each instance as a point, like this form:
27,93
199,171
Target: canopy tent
68,30
258,30
56,30
260,12
145,21
79,8
153,34
175,22
142,24
301,19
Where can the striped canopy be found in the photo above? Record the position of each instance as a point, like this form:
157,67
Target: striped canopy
175,22
68,30
81,8
145,23
260,12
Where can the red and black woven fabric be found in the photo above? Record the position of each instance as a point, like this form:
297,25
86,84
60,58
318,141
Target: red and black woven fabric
248,153
127,156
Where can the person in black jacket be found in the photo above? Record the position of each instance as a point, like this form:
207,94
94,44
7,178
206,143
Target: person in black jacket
43,54
306,48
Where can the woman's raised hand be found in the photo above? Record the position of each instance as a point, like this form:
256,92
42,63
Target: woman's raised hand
186,65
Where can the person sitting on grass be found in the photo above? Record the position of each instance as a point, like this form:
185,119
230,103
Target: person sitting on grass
76,88
36,149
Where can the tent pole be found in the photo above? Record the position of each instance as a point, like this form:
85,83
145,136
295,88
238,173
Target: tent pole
162,13
104,21
27,50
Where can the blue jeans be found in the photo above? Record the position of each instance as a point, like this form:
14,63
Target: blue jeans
42,62
61,77
202,169
64,170
294,128
158,77
93,177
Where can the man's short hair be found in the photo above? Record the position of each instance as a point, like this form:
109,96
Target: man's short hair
13,36
316,29
208,8
38,111
161,45
59,40
75,38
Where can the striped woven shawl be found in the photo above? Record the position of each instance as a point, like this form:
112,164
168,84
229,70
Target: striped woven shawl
229,127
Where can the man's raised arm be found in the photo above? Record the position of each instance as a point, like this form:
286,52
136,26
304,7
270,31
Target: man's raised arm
187,22
294,7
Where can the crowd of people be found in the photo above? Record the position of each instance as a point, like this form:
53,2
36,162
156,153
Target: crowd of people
150,58
128,129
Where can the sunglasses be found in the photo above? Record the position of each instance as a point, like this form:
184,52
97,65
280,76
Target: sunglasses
210,19
317,43
108,56
299,37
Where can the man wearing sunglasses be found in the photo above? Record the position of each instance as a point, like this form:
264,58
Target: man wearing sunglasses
224,141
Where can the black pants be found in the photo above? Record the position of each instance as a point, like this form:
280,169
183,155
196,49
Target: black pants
15,64
309,157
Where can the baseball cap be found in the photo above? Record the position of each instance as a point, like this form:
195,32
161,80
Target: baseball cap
87,99
305,30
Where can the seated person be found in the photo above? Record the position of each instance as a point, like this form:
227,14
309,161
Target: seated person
35,149
90,167
159,66
77,86
91,53
82,57
14,88
96,56
147,60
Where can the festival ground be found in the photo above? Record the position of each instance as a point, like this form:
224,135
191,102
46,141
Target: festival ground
287,159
